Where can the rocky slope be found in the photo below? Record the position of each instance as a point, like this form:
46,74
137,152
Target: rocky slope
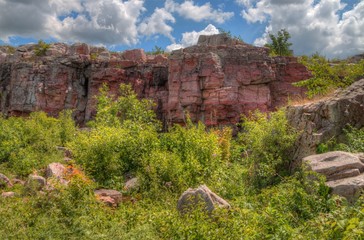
215,81
324,120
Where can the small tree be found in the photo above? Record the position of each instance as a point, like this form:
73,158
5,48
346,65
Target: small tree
279,44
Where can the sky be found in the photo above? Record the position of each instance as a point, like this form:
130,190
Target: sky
333,28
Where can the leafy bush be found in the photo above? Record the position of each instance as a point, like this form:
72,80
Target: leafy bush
30,143
354,141
267,140
112,111
41,48
279,45
328,76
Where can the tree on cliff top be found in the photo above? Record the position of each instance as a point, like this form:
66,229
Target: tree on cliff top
279,43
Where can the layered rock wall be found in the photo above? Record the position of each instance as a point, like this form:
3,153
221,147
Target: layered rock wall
215,81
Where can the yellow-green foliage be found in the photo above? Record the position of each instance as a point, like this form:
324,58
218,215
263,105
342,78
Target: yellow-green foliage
30,143
267,140
123,141
41,48
328,76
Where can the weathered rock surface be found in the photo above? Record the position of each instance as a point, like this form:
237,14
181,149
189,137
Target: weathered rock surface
192,198
216,80
110,197
326,119
220,78
344,172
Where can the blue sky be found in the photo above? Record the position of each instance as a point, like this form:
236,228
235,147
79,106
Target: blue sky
334,28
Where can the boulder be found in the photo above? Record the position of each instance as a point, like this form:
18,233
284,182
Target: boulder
131,184
57,171
324,120
5,181
109,197
344,172
202,195
35,182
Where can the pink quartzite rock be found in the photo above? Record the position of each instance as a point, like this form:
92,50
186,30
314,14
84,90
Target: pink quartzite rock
109,197
215,81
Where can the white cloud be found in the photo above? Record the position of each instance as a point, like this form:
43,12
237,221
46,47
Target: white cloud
313,25
189,10
97,21
157,24
191,38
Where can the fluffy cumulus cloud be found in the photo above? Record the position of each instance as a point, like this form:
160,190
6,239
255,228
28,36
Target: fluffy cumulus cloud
191,38
189,10
157,23
95,21
314,25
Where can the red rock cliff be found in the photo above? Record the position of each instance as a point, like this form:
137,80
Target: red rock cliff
215,81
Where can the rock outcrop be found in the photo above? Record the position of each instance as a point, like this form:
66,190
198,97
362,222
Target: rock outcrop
202,195
326,119
344,172
216,80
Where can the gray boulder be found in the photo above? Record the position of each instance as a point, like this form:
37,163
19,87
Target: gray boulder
192,198
344,172
57,171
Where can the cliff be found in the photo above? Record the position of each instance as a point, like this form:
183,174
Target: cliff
215,81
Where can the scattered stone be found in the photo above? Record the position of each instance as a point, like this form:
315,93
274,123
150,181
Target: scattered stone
343,171
109,197
131,184
5,181
18,181
8,194
57,171
201,195
35,182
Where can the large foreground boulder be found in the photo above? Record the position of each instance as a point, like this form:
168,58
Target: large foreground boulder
344,172
202,195
321,121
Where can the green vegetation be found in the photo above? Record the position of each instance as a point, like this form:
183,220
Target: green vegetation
251,172
41,48
279,45
156,50
329,76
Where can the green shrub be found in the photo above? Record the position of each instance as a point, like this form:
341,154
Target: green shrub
267,140
30,143
328,76
354,141
41,48
113,111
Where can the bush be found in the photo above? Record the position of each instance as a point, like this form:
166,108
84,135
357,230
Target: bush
328,76
267,140
31,143
41,48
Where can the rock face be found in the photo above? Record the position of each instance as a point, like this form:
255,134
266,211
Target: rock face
344,172
321,121
220,78
216,80
191,198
